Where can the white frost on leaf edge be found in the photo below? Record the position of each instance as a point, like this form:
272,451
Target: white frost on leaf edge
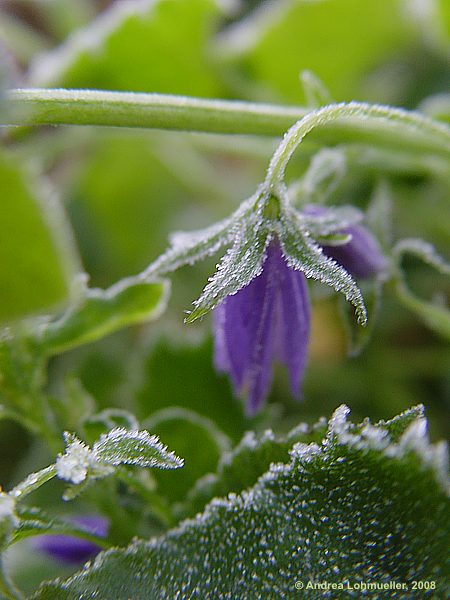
164,459
75,463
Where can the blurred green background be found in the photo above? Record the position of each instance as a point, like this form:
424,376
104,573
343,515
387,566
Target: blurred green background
124,191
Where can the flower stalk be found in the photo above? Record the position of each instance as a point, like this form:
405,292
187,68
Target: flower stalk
355,122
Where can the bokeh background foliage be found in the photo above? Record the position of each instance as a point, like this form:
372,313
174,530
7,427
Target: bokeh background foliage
107,200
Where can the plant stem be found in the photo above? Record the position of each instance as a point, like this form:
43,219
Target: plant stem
153,111
7,588
387,124
337,123
33,482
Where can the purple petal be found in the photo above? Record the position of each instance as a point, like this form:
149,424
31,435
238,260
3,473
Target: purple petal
268,319
244,325
293,326
70,549
361,256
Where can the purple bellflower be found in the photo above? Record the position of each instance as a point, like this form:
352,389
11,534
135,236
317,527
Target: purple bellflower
73,550
269,319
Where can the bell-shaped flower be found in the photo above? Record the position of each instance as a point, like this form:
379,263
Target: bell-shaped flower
259,289
269,319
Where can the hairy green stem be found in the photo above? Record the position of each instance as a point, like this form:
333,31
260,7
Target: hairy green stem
152,111
338,123
407,128
33,482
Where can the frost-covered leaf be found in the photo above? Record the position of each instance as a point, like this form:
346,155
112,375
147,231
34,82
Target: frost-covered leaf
124,447
81,465
436,314
240,468
102,312
360,506
135,45
239,266
304,254
37,257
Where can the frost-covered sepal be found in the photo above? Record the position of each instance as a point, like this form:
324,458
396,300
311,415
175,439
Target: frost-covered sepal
242,263
322,222
304,254
188,247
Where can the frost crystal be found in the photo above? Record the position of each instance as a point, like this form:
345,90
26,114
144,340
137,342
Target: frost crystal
73,466
7,506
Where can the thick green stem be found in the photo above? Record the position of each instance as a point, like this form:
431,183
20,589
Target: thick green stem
152,111
354,122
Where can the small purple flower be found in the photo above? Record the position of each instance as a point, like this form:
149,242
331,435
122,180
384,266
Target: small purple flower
361,256
269,319
70,549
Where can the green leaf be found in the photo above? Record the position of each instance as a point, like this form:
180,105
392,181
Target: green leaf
81,465
139,45
124,447
305,255
360,506
336,40
37,258
104,311
192,436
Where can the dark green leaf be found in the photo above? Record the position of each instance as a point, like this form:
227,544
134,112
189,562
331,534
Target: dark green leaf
192,436
175,374
359,507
